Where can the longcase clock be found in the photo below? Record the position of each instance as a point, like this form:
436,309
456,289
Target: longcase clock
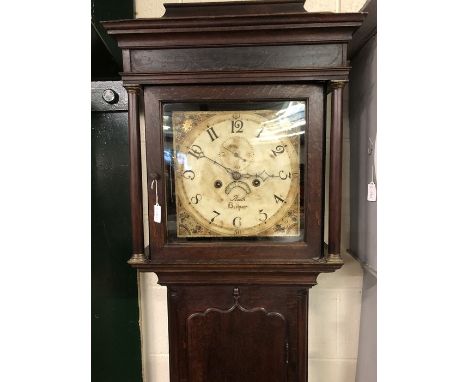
234,102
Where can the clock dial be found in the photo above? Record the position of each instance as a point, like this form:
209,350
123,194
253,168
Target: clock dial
236,174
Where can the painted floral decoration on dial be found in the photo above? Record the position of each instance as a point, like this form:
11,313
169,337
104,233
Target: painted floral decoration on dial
237,173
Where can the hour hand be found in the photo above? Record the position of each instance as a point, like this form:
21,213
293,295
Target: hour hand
198,153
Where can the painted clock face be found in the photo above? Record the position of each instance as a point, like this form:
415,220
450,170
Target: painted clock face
236,174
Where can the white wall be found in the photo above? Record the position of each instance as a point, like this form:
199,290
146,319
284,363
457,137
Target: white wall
334,304
155,8
363,238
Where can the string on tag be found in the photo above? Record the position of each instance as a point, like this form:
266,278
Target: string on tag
157,207
155,183
370,148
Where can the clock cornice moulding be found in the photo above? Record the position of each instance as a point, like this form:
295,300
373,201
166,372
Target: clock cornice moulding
249,23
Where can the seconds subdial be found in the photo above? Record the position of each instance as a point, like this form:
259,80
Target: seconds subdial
237,152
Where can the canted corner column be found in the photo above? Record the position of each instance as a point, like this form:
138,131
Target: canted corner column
136,197
334,195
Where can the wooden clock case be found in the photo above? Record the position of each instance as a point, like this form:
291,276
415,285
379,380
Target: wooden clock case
237,310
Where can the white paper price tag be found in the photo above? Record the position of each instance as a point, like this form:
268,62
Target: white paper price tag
371,192
157,213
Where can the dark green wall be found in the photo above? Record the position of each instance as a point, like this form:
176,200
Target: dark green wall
106,56
116,350
115,334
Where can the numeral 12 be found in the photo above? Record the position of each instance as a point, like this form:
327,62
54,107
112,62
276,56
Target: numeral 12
236,126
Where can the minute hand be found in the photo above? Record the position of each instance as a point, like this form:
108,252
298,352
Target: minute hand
262,175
